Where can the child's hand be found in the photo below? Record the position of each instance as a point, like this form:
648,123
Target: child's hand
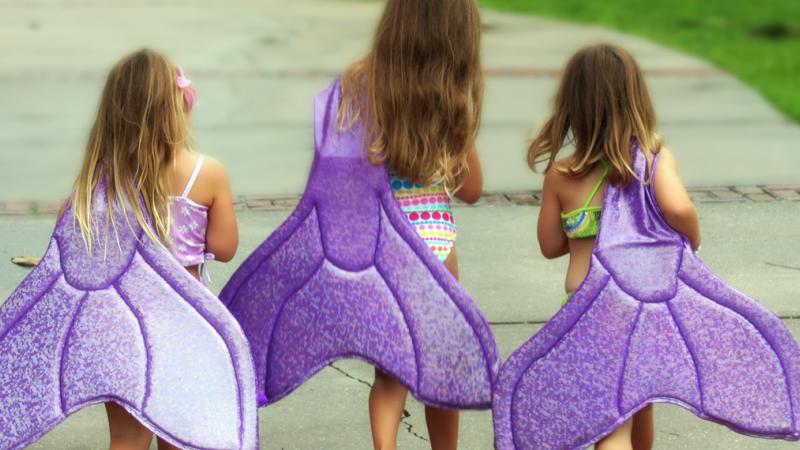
674,202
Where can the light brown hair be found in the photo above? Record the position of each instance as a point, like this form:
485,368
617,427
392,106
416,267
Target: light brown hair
140,123
602,106
419,90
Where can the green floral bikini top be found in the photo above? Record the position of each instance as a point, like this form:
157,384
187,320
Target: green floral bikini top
584,222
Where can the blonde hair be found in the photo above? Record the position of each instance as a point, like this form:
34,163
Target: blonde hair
602,106
419,90
140,123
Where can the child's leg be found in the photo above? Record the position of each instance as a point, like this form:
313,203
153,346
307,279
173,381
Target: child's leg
443,423
619,439
164,445
126,432
442,427
386,401
452,262
643,432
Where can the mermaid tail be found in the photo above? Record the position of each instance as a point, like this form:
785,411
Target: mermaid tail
347,276
649,324
128,325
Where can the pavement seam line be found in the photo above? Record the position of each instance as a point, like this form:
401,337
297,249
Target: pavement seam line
325,73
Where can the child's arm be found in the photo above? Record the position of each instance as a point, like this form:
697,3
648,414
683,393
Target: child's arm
673,200
222,235
552,240
472,189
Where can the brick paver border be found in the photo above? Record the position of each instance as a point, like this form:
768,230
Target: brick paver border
713,194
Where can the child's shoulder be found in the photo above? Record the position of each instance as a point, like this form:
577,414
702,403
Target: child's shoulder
556,175
214,171
665,155
211,180
666,160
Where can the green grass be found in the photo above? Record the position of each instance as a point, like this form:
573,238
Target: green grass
757,41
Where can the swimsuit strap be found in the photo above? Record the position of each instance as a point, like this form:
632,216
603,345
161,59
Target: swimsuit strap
198,165
597,185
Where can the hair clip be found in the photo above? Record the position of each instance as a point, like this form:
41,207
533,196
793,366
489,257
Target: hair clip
185,85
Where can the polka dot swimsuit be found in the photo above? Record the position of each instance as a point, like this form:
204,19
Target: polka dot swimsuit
428,210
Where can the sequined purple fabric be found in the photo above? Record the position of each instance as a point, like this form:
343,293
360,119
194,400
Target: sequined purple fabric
125,324
649,324
347,276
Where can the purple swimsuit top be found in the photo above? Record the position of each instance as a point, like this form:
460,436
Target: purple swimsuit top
189,223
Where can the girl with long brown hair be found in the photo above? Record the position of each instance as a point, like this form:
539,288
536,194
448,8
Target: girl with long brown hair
139,149
602,108
419,93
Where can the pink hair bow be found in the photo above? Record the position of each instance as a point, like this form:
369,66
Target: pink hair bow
185,85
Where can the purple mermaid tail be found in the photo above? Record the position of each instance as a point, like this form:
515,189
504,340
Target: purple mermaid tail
347,276
649,324
128,325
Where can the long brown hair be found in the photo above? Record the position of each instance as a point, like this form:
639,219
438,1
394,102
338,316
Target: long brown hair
419,90
601,106
140,123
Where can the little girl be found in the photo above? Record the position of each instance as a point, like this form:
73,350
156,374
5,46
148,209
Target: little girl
601,107
140,144
419,91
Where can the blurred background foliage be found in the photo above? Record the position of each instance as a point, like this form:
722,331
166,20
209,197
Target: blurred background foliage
757,41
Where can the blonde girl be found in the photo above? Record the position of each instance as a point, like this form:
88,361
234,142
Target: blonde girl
139,145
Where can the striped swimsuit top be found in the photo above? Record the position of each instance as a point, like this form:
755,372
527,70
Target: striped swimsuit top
428,210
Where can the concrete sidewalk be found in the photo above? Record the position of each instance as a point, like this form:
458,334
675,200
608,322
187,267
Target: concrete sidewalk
753,246
257,65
